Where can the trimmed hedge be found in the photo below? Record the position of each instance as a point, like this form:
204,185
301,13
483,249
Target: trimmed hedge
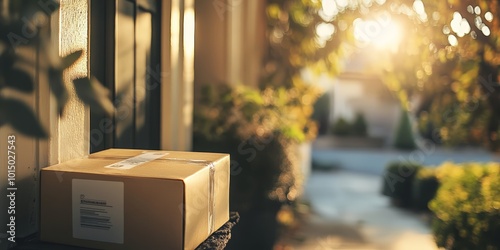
321,113
398,182
467,207
465,200
425,187
357,127
341,127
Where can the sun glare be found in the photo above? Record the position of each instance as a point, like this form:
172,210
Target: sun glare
324,31
389,37
383,33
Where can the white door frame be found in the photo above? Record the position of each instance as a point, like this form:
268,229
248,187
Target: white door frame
177,73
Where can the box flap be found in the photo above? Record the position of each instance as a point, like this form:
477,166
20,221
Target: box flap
173,165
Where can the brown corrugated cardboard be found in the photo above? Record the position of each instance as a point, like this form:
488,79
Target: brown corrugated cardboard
135,199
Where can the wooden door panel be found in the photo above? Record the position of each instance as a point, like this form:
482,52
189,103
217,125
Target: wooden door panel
130,73
143,58
125,73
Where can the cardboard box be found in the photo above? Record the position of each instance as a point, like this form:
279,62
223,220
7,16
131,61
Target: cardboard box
135,199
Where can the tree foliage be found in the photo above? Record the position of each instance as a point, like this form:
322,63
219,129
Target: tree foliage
445,70
451,66
294,42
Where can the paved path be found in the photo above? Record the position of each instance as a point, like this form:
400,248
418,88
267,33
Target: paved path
353,200
348,211
374,160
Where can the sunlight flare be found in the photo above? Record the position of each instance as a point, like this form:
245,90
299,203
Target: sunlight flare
383,33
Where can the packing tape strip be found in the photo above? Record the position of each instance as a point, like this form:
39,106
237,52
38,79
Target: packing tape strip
160,158
132,162
211,199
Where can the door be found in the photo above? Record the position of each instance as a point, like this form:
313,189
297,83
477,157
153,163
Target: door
125,57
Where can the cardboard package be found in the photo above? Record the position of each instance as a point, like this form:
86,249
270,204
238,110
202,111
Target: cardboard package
135,199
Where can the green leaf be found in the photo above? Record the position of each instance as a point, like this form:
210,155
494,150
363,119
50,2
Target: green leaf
3,116
7,60
70,59
50,54
58,88
21,117
253,96
20,80
273,11
293,132
28,8
91,92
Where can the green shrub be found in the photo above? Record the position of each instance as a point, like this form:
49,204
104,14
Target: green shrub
467,207
260,129
425,187
321,113
341,127
359,127
324,165
404,135
398,181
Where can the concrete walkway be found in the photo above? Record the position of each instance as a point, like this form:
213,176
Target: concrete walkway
372,160
348,211
352,201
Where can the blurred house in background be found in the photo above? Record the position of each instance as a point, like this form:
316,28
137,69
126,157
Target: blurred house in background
354,93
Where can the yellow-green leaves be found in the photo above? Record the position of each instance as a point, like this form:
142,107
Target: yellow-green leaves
243,112
467,206
273,11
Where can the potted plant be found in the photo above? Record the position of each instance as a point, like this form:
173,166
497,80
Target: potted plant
261,130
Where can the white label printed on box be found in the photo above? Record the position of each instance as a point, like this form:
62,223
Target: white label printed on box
98,210
137,160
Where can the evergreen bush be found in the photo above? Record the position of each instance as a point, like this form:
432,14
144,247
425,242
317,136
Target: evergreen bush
341,127
359,126
398,181
404,135
424,188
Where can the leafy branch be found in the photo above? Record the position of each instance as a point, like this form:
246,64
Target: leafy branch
24,50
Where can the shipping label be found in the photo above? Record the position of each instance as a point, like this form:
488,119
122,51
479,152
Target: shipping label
98,210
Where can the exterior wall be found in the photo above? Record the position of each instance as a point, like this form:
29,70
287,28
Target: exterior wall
229,41
177,73
73,141
68,134
25,180
247,27
211,29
